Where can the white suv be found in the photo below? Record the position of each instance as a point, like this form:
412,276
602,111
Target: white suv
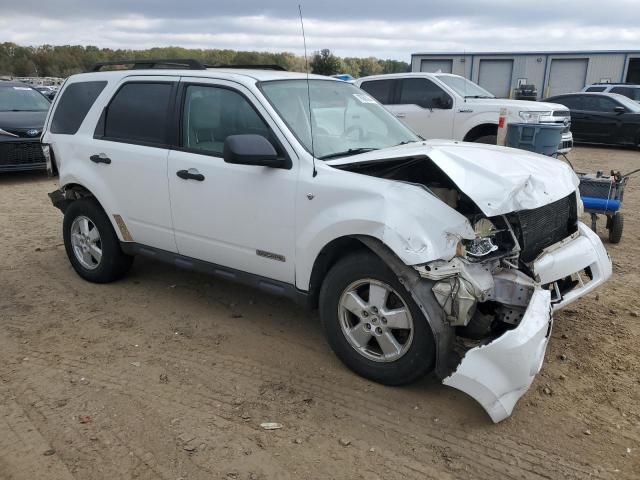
413,250
441,105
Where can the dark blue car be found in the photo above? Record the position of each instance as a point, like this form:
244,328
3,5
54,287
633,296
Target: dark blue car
22,114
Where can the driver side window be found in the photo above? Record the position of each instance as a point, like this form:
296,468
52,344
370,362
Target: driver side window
211,114
424,93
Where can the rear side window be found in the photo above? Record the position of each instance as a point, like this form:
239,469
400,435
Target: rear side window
139,113
596,89
381,90
75,102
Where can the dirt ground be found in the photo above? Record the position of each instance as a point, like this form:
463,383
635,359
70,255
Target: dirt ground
168,374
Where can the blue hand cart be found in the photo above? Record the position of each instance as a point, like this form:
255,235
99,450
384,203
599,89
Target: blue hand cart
602,195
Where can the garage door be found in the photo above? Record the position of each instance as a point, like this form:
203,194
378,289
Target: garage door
432,66
567,76
495,76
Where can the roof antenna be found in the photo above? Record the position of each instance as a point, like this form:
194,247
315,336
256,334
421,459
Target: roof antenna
306,66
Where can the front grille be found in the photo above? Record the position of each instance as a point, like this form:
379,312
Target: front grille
566,144
541,227
561,113
20,153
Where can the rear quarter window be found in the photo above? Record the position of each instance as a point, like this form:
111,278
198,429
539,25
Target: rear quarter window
73,106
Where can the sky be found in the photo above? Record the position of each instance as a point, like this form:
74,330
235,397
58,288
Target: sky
383,29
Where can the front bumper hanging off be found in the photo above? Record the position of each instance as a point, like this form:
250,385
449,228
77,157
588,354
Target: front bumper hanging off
498,373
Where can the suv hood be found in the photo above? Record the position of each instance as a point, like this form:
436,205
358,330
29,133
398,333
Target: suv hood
22,120
517,105
499,180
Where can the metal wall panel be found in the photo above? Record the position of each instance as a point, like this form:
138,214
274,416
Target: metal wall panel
567,75
495,76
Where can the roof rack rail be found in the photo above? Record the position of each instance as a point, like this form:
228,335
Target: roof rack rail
176,63
614,83
272,66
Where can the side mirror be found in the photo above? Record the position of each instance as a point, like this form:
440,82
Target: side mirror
444,102
250,149
619,109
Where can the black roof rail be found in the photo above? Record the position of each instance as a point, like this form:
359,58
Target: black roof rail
272,66
175,63
614,83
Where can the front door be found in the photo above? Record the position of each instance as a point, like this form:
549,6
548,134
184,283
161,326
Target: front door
238,216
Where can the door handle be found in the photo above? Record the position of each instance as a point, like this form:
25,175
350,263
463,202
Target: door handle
400,115
101,158
191,174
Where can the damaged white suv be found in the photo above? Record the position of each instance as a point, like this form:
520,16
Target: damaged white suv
422,256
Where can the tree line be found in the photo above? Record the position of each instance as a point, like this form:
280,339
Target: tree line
65,60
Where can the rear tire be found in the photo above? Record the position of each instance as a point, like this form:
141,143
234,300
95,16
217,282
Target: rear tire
369,342
487,139
91,243
617,224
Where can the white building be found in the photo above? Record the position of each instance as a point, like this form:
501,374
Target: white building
552,73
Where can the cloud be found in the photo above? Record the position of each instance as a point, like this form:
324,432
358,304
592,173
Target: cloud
355,28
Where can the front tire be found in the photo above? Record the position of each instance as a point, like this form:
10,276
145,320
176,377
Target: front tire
91,243
372,323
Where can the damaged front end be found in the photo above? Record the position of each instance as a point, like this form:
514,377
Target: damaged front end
502,320
489,300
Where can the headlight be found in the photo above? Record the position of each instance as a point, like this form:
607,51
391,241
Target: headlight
483,244
533,117
8,134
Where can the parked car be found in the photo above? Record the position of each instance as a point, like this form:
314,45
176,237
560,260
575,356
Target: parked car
49,92
441,105
404,245
605,118
22,114
630,90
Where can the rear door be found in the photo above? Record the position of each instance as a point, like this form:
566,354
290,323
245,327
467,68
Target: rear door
575,105
237,216
128,156
425,107
601,122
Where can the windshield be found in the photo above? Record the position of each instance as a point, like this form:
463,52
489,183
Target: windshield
345,119
22,99
464,87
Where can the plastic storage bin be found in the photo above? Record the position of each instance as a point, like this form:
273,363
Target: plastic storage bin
535,137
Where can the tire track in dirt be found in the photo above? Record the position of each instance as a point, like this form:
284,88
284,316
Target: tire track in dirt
492,459
24,453
211,404
476,456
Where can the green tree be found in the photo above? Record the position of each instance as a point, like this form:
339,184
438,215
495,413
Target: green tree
325,63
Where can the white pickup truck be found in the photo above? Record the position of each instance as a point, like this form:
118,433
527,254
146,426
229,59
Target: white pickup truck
441,105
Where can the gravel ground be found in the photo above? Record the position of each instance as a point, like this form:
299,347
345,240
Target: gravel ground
168,374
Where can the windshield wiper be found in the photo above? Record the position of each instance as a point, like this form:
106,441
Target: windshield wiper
478,96
351,151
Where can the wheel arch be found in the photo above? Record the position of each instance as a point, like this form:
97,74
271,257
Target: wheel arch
331,253
418,288
480,131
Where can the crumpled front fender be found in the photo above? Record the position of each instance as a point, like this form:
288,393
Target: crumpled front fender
496,375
